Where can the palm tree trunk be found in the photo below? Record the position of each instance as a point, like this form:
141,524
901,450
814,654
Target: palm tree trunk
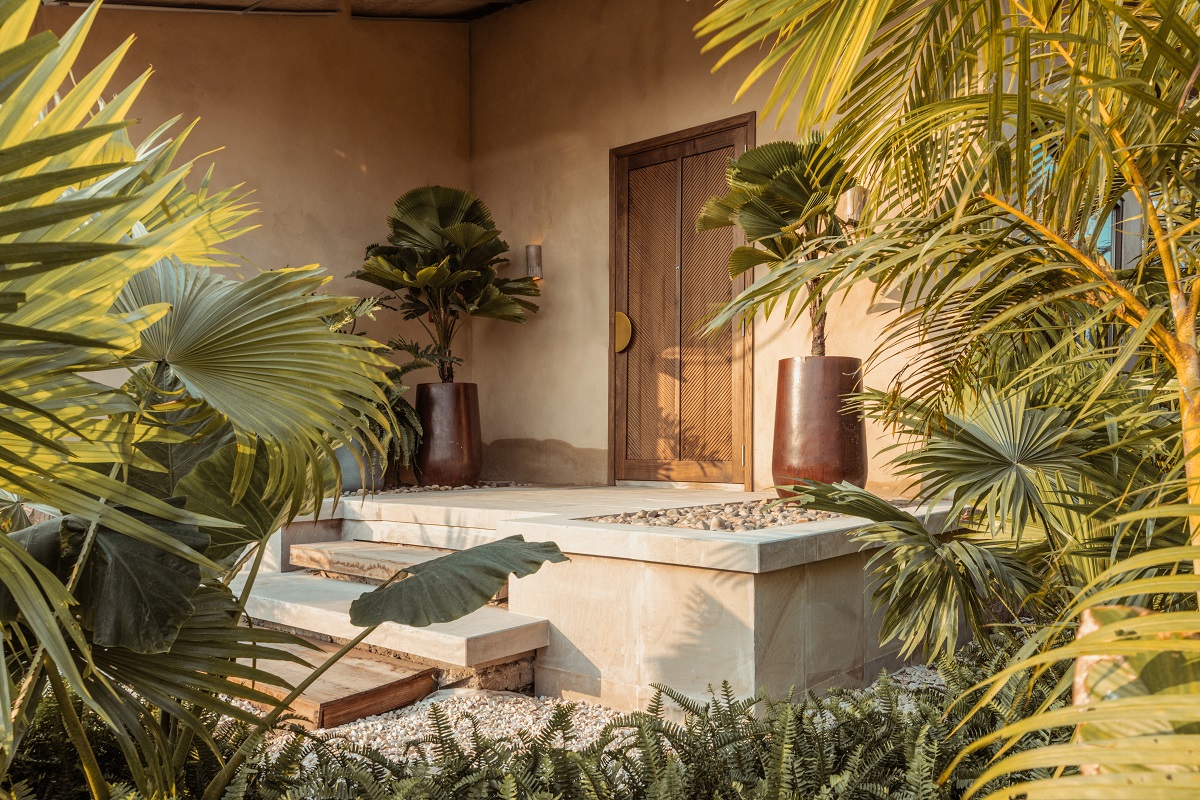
818,319
1189,405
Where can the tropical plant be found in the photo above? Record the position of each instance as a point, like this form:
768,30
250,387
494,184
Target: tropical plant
1135,679
992,183
882,741
123,606
399,444
1029,482
440,265
785,197
1006,148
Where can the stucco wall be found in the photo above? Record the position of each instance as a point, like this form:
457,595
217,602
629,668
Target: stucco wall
555,84
327,119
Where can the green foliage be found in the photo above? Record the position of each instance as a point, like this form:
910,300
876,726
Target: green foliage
1135,690
1045,482
453,585
784,196
881,742
1007,144
441,264
130,594
212,344
238,393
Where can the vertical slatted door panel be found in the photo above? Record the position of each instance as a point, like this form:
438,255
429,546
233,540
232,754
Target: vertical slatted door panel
652,419
706,361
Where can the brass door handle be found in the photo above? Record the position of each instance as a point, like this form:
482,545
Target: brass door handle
622,331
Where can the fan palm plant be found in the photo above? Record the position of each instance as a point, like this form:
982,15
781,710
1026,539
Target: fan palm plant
999,142
785,197
125,602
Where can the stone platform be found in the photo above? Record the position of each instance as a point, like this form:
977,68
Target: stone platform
636,605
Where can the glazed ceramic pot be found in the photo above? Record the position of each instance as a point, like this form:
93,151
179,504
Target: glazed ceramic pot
353,472
451,451
817,436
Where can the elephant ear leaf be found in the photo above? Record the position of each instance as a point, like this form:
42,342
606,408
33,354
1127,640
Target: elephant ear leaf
454,585
135,595
208,489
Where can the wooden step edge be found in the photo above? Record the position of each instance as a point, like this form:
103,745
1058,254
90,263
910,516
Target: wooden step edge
371,700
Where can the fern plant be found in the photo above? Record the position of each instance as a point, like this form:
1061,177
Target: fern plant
885,741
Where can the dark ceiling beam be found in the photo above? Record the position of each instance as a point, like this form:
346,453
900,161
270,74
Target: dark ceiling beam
473,11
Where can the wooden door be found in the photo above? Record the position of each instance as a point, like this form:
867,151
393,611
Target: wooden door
680,399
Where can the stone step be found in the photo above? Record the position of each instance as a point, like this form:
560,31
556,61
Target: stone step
319,605
417,534
366,561
375,561
359,685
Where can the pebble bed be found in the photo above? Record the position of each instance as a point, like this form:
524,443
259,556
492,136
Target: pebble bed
436,488
918,677
499,715
751,515
505,714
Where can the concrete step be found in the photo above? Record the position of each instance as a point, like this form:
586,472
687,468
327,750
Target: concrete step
368,562
417,534
319,605
375,561
359,685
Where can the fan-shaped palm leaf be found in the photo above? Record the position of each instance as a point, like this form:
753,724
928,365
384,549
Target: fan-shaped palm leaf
258,352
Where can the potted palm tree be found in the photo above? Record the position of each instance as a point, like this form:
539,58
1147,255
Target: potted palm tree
439,267
788,199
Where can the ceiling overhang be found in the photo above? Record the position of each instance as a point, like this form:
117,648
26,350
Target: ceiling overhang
452,10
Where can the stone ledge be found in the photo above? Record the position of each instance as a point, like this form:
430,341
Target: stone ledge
760,551
444,525
322,605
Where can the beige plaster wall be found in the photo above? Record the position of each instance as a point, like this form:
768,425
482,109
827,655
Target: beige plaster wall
555,84
327,119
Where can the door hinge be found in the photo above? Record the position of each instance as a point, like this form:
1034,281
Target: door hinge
743,455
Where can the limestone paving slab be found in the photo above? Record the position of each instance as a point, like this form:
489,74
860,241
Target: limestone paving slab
362,559
456,520
763,550
486,508
322,605
417,533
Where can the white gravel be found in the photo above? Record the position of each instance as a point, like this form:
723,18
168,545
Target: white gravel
918,677
499,715
437,488
503,715
751,515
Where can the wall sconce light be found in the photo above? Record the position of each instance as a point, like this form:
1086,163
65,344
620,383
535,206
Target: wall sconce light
851,205
533,261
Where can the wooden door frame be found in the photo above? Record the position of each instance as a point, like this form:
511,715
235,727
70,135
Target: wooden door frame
743,434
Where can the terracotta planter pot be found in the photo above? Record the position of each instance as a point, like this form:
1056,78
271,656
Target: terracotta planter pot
451,452
816,438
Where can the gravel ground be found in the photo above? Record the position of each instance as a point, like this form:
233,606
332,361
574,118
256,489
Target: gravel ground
918,677
436,488
500,715
505,714
751,515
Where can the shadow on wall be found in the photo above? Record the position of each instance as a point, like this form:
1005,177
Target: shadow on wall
707,640
544,461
